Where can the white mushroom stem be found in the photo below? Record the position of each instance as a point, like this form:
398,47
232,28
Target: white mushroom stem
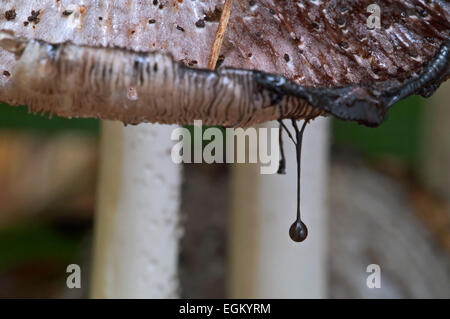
137,222
264,261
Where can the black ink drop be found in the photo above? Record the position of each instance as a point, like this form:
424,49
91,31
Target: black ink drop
298,230
282,164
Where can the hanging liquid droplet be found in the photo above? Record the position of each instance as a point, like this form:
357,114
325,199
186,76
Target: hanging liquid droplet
298,231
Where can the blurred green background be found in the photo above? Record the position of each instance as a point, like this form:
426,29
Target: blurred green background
398,136
18,118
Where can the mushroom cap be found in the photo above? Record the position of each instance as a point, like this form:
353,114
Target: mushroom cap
316,44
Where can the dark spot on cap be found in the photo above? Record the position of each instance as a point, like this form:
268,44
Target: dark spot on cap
151,21
192,62
180,28
252,3
10,15
200,23
6,73
155,2
34,17
213,15
272,11
286,57
26,23
340,21
67,13
100,18
250,55
315,25
161,6
220,60
343,45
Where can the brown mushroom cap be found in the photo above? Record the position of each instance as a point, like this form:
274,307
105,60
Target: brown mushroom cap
316,44
329,43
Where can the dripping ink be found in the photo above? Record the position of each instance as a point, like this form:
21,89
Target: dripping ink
282,165
298,230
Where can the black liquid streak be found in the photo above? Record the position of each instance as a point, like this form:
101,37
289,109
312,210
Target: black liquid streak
365,104
298,230
282,164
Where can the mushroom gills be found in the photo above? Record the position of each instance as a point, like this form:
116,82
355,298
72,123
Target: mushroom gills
81,81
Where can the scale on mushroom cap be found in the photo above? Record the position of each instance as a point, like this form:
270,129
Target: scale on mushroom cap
43,71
